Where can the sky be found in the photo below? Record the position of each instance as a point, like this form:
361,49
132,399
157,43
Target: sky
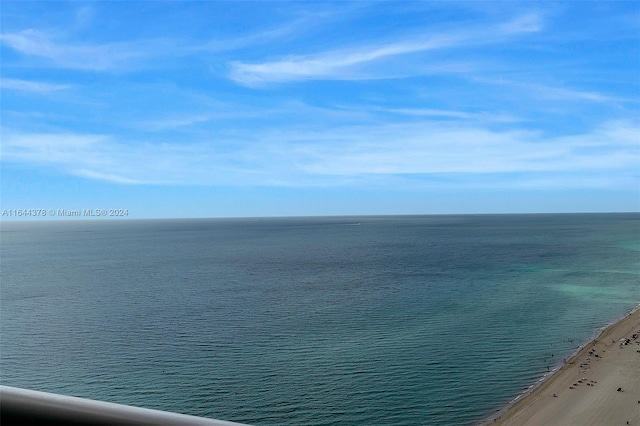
245,109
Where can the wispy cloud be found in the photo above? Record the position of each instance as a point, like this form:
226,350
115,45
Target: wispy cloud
31,86
185,120
329,65
529,23
106,158
551,92
435,148
256,38
548,92
356,154
486,117
345,63
107,177
95,57
302,20
60,48
176,122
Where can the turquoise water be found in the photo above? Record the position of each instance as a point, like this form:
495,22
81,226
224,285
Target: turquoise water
355,320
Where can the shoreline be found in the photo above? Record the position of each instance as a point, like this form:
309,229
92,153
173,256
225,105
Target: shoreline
559,397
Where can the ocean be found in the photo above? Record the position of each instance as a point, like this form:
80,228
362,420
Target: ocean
395,320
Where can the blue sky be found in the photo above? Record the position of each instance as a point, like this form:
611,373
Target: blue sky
214,109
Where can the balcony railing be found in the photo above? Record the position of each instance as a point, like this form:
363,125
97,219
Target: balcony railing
23,406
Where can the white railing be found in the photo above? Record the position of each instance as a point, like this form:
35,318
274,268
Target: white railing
23,406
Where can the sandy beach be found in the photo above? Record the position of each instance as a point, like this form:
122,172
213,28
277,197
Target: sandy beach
600,385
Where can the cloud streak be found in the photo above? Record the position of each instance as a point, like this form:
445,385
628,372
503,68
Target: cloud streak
355,154
31,86
436,148
345,63
549,92
87,57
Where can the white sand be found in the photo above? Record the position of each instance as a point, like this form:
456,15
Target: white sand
586,387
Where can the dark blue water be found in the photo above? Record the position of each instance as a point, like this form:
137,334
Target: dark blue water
360,320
